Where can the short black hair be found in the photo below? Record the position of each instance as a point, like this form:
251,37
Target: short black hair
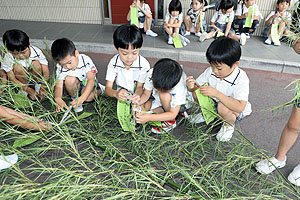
126,35
225,4
175,5
61,48
224,50
281,1
15,40
166,74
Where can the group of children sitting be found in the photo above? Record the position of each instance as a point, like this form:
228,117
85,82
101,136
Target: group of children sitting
161,92
239,24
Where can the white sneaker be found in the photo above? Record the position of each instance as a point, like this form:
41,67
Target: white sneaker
101,88
151,33
198,34
196,118
166,126
294,177
187,33
243,39
277,43
170,40
202,37
266,167
268,41
8,161
225,133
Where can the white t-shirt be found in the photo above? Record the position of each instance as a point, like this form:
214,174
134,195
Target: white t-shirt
35,54
124,78
287,15
239,10
168,16
84,66
236,85
194,15
178,92
222,19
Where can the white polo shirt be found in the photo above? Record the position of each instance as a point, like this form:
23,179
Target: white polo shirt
35,54
287,15
85,65
168,16
222,19
178,92
236,85
124,78
242,10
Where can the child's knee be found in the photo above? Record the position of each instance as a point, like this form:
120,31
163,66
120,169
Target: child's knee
71,81
223,110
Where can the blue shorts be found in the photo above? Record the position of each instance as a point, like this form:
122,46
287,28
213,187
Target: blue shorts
222,27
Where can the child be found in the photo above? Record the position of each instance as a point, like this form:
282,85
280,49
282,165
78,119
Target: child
222,21
281,17
3,77
23,61
146,22
166,83
287,140
228,85
77,73
241,15
127,69
192,20
173,21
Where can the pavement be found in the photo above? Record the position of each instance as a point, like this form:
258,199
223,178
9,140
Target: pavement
269,68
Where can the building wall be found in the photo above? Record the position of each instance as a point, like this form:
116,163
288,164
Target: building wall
73,11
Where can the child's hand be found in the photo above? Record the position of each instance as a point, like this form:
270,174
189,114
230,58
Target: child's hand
174,34
209,91
122,95
275,15
138,3
135,99
77,102
42,93
142,118
31,93
246,15
190,82
60,104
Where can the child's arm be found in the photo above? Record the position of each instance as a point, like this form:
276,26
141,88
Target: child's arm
177,24
231,103
136,97
228,27
118,94
191,84
45,75
87,91
58,96
30,91
145,96
3,80
269,21
138,4
142,118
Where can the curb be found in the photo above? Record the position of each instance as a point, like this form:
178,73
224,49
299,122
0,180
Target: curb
183,55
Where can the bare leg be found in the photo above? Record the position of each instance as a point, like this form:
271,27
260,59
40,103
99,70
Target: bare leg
147,23
227,114
289,134
188,22
72,85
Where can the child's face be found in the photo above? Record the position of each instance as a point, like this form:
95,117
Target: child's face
128,56
222,70
196,5
249,3
283,6
21,55
228,10
70,62
175,13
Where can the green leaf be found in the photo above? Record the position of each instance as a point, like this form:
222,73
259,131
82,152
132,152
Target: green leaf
26,141
82,116
21,100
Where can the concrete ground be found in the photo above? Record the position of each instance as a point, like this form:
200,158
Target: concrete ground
267,68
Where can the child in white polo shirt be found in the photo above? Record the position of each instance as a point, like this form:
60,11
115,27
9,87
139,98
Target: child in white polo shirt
127,69
77,73
166,83
228,85
25,64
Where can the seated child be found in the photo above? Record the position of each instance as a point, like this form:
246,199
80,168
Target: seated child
25,65
228,85
3,78
241,15
146,22
166,83
221,22
173,21
192,20
127,69
77,73
281,17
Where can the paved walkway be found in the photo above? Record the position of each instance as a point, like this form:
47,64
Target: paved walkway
98,39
